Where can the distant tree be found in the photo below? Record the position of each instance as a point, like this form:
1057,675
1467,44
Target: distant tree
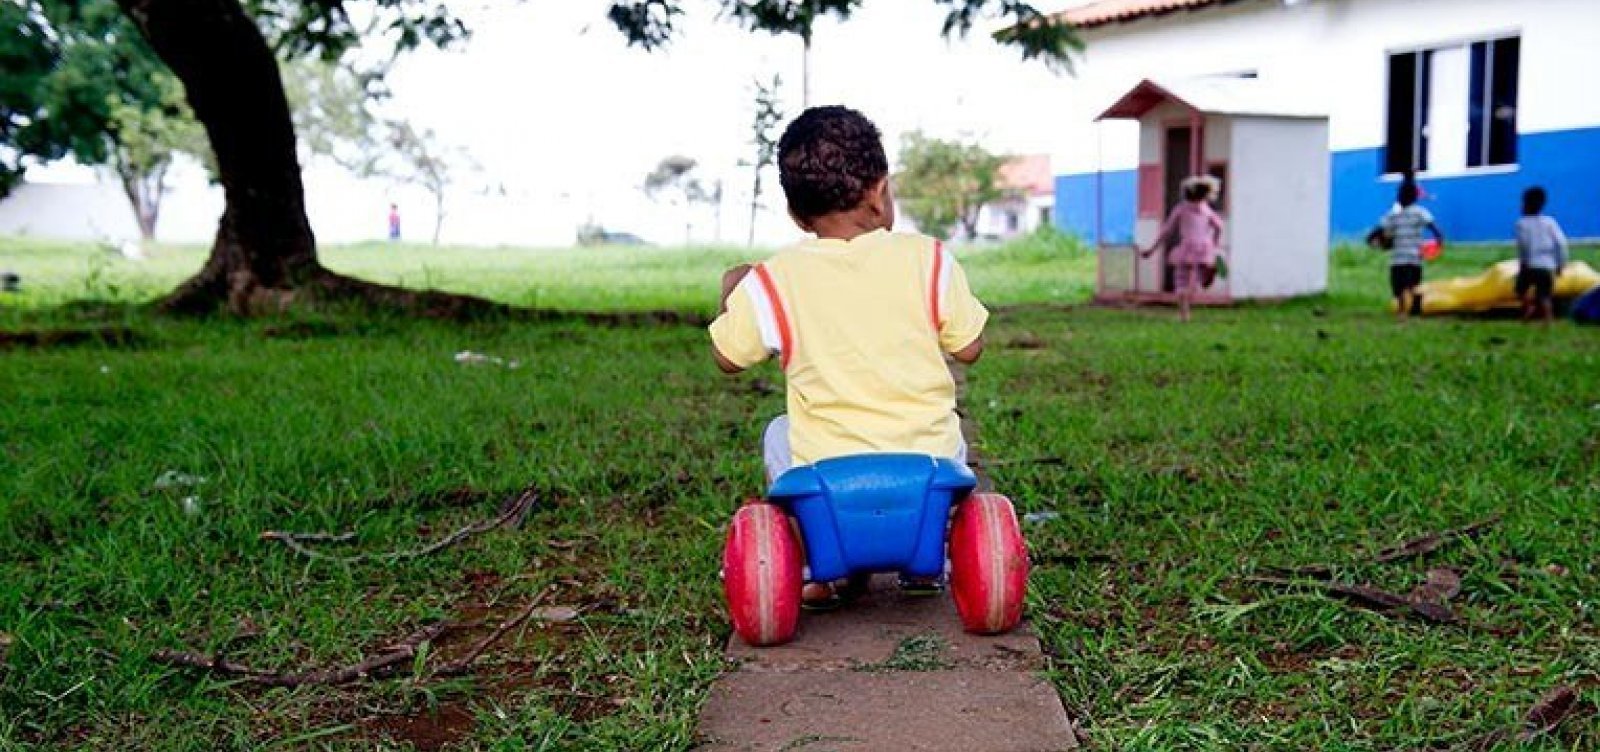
764,137
331,105
942,184
673,179
224,53
418,157
79,81
145,141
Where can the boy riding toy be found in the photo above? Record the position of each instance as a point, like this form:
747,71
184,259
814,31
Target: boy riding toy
867,465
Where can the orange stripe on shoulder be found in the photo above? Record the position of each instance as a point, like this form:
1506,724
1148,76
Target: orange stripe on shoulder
785,336
933,286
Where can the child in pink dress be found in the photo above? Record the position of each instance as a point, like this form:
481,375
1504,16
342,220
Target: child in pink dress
1199,236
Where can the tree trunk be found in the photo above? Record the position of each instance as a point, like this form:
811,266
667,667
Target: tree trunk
144,195
264,241
805,72
438,214
264,256
755,206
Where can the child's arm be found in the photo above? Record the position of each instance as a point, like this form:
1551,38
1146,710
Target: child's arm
961,316
736,341
1437,233
730,281
1216,227
1524,248
1561,246
1161,235
970,353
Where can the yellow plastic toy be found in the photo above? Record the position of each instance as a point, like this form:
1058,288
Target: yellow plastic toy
1496,288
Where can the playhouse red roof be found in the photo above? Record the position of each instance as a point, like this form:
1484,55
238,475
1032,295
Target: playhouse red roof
1106,12
1215,95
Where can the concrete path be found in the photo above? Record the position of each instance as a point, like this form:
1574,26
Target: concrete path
888,672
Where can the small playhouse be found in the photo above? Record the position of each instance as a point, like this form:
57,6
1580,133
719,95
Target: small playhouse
1274,166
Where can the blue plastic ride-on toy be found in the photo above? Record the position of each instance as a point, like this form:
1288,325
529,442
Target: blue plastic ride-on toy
874,513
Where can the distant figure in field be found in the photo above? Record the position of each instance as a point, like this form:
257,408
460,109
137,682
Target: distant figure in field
10,282
1542,252
1401,231
1199,237
394,222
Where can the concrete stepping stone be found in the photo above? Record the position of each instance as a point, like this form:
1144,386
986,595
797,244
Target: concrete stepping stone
887,672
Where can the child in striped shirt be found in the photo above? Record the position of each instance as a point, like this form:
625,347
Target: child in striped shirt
1402,227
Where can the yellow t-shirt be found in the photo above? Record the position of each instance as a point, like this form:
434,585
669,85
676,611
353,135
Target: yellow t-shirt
865,364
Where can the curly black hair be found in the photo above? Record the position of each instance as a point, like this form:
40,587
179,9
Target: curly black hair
1533,200
827,159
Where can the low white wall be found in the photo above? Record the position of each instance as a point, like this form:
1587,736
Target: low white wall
1280,197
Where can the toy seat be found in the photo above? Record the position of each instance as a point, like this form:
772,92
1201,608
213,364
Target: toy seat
873,512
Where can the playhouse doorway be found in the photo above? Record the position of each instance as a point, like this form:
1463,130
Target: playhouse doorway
1176,161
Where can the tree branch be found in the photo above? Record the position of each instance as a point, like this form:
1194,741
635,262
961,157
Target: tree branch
512,513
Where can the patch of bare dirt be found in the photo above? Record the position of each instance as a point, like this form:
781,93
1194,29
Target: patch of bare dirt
427,730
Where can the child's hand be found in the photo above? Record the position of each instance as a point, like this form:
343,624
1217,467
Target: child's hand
730,280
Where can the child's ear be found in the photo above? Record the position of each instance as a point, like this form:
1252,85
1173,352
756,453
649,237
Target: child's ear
802,223
883,202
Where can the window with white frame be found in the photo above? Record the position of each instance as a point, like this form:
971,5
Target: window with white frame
1453,107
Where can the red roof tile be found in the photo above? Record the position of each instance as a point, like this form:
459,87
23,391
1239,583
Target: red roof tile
1106,12
1029,174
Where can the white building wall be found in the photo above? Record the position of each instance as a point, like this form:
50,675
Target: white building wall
1278,233
1337,49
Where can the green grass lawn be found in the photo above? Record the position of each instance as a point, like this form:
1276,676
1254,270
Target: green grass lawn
1181,461
1050,269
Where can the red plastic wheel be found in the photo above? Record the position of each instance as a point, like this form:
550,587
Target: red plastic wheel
988,564
761,575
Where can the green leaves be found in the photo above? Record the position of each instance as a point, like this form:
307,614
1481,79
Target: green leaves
944,183
66,66
651,24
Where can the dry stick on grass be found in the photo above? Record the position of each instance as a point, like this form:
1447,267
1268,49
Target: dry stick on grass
1558,706
1431,542
1371,597
464,663
511,513
1052,461
386,663
1419,546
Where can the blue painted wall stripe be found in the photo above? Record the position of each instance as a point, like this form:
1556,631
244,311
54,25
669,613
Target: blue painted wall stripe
1473,208
1077,204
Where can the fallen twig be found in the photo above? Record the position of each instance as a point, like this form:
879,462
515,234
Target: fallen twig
511,513
1558,706
1431,542
1419,546
348,537
385,663
1069,558
1025,461
1368,596
1439,587
1314,571
464,663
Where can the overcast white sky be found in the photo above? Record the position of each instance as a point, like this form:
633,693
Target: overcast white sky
565,120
